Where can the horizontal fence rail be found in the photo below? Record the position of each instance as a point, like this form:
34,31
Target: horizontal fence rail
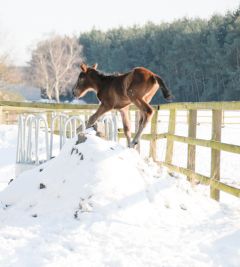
201,142
216,119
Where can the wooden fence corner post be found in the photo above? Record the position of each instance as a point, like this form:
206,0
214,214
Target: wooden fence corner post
153,142
215,154
171,130
192,127
1,114
49,119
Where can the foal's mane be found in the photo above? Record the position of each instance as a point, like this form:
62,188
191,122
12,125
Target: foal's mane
108,76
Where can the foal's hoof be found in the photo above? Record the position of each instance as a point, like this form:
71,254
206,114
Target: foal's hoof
81,138
133,144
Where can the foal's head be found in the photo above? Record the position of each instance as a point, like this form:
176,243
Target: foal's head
86,80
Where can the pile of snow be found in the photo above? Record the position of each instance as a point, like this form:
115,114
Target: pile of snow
94,176
100,204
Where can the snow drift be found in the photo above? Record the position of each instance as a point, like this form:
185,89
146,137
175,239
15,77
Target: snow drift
94,176
99,204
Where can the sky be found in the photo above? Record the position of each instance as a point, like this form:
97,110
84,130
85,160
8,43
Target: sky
23,23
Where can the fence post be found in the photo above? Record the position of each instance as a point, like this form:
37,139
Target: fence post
153,142
215,154
171,130
1,115
7,117
49,118
192,126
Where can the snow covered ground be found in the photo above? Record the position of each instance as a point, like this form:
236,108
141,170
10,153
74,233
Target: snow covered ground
100,204
8,143
8,148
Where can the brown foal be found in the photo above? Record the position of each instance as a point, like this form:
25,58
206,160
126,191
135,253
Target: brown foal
137,86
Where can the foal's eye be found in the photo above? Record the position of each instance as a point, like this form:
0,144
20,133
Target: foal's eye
81,77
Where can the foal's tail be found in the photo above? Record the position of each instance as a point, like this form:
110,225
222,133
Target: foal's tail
166,92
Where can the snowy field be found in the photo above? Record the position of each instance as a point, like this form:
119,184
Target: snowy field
100,204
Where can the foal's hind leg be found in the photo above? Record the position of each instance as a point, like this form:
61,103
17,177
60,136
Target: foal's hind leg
146,113
126,124
140,120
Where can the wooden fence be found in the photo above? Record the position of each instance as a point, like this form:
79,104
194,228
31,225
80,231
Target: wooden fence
214,144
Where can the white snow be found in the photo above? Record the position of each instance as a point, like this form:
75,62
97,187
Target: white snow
8,143
100,204
8,147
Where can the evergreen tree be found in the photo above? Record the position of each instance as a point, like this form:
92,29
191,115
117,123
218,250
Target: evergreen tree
198,59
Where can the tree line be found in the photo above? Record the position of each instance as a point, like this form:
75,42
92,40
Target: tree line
198,59
8,75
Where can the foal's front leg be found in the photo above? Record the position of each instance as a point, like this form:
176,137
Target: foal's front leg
100,111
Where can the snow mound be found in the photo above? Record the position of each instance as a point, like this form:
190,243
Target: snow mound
95,176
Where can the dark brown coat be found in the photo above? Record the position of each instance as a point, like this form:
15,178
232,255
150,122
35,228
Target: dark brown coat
118,91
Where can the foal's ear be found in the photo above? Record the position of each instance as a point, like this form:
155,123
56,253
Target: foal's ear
83,67
95,66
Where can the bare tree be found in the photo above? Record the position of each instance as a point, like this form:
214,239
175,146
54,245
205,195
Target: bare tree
54,65
3,69
8,74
